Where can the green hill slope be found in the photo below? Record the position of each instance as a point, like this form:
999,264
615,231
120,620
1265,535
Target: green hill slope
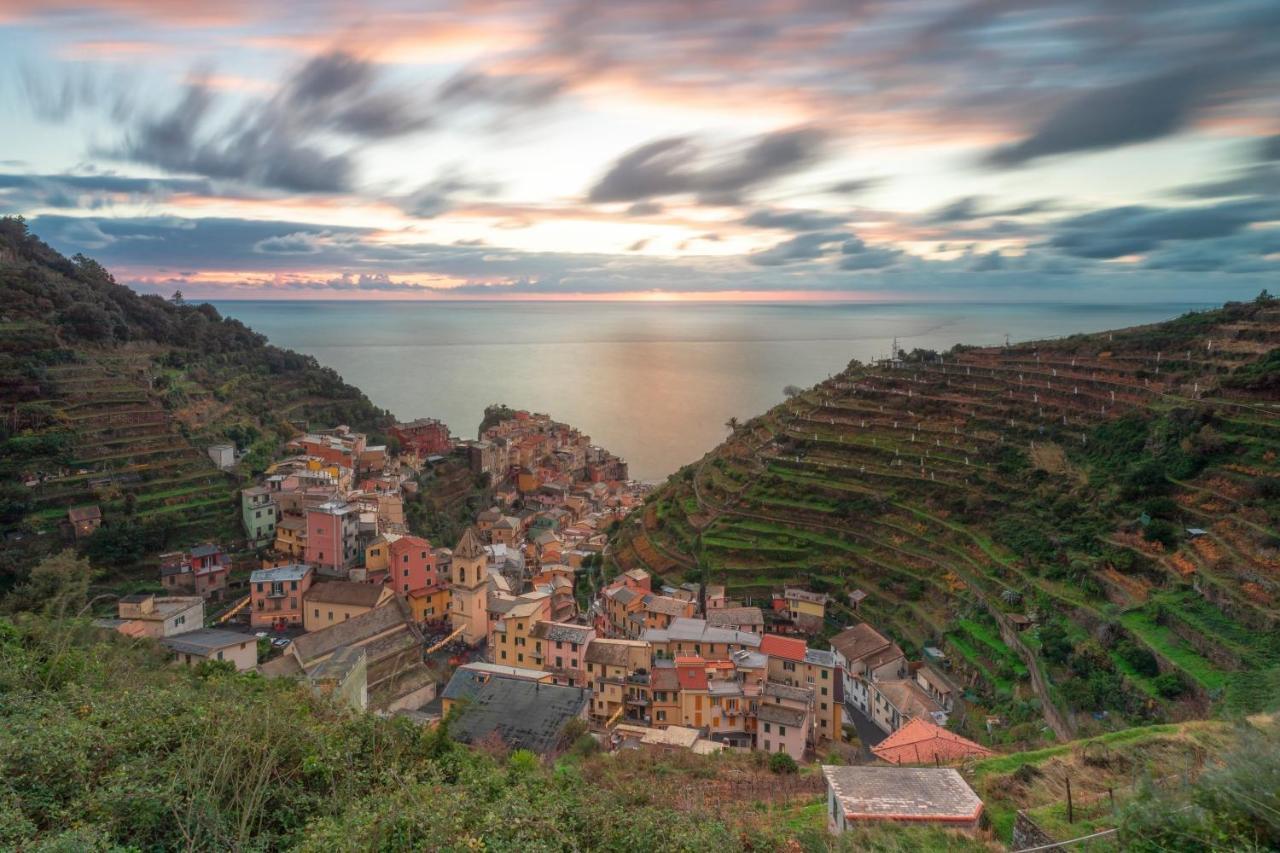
112,398
1055,478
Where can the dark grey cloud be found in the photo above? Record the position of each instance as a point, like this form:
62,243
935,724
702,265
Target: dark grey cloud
802,247
855,186
969,208
279,143
442,193
793,220
1131,112
1120,231
856,255
22,192
644,208
682,166
1269,149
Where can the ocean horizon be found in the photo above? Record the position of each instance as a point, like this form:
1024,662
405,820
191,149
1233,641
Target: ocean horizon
654,382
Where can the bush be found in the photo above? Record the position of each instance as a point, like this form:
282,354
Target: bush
781,762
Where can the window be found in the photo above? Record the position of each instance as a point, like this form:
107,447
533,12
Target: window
767,729
293,604
788,666
520,657
330,615
405,558
317,612
219,655
293,585
826,673
260,587
782,731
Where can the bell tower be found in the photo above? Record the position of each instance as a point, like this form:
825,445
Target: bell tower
469,588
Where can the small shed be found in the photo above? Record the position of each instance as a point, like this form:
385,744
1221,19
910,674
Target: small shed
84,520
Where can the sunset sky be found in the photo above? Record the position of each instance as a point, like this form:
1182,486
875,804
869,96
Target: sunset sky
1116,150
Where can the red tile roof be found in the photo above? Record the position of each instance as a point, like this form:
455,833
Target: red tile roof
787,648
922,742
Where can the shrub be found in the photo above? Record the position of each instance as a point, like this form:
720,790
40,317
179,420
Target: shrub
781,762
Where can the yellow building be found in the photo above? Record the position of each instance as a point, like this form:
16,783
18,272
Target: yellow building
377,554
332,602
792,663
291,537
609,664
806,609
430,604
512,642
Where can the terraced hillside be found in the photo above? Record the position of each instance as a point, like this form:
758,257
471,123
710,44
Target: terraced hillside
111,399
1055,479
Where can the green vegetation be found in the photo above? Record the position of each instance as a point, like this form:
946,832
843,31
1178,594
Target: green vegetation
1052,480
111,399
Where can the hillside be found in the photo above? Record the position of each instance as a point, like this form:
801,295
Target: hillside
1055,479
111,398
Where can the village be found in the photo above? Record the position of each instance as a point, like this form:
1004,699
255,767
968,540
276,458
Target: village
513,634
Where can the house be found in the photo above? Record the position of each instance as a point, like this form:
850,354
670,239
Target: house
737,619
291,537
782,729
792,662
328,603
277,595
865,655
259,513
412,564
332,531
894,703
939,688
424,436
561,649
609,664
669,739
430,604
921,741
203,571
806,609
856,598
688,636
936,796
392,675
155,616
511,641
716,598
84,520
522,713
223,455
659,610
214,644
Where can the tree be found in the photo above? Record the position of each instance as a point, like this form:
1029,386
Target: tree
782,763
792,391
58,586
177,299
732,424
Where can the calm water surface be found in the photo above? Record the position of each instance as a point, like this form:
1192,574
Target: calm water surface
652,382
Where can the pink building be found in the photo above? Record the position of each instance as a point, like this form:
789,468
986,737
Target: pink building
331,537
412,565
277,595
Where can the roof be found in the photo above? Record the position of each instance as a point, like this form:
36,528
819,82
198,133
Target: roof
84,513
787,648
903,793
612,652
294,572
401,543
680,736
664,678
637,574
858,641
357,629
563,632
778,690
667,605
525,714
908,697
820,657
735,616
623,595
469,547
206,550
350,593
781,715
923,742
206,641
797,594
689,629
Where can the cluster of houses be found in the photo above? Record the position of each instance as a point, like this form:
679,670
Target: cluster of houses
365,604
533,450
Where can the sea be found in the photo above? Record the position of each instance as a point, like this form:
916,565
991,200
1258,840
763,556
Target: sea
654,382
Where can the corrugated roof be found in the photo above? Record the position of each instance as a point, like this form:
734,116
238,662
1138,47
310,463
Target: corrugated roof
206,640
903,793
525,714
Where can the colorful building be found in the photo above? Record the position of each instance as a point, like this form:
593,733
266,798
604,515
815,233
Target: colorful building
277,595
412,564
332,602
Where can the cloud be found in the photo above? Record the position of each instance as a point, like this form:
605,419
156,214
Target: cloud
1118,115
793,220
644,208
297,243
1120,231
682,166
22,192
803,247
439,195
973,207
855,186
278,143
857,255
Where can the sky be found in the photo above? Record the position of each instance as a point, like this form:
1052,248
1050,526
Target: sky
915,150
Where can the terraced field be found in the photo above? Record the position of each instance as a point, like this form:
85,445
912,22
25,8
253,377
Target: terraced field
110,398
1053,479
